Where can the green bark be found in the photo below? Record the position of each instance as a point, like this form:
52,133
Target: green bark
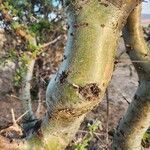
79,85
137,118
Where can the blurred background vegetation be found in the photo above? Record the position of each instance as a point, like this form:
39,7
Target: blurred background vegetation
20,20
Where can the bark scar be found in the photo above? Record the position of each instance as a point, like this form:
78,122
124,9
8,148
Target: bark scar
89,91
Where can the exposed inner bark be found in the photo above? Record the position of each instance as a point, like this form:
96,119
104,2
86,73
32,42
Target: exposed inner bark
90,91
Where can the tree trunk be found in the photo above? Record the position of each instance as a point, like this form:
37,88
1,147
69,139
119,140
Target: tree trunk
94,30
79,85
137,118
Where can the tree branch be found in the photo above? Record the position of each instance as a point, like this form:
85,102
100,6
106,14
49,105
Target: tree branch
137,118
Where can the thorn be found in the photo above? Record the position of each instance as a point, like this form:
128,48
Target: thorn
13,117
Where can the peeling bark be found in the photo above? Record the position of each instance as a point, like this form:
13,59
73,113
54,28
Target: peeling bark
137,118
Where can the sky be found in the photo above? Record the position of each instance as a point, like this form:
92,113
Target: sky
146,7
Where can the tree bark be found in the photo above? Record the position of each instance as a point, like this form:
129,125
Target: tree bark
79,85
137,118
25,94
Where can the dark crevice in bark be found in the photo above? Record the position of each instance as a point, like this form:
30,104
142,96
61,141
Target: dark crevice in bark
90,91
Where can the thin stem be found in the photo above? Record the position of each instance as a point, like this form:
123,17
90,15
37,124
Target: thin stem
107,114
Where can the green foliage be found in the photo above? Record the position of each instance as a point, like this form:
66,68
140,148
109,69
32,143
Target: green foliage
146,136
19,74
12,55
146,140
22,61
92,128
21,71
38,27
83,145
32,47
30,22
17,7
88,137
34,22
15,25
